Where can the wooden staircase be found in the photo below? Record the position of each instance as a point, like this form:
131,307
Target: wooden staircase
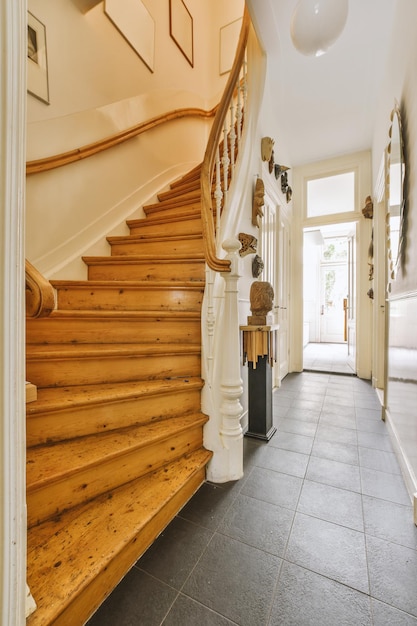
115,437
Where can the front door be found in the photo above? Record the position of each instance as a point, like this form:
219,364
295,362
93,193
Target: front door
334,289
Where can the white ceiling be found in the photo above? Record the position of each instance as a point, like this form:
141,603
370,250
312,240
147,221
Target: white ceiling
328,103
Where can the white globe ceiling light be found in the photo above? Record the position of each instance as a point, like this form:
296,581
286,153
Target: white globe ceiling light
316,24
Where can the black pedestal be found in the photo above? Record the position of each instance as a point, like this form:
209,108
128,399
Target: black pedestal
260,400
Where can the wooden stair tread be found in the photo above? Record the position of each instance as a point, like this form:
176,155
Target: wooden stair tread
183,188
61,398
174,203
190,214
67,557
49,463
128,284
150,315
145,258
80,351
154,238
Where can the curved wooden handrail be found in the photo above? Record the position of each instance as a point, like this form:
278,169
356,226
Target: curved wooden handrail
40,296
58,160
216,264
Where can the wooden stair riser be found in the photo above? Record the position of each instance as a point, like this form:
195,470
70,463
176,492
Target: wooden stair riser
113,330
128,520
188,244
58,425
189,224
121,269
124,297
101,369
180,189
171,209
188,191
71,490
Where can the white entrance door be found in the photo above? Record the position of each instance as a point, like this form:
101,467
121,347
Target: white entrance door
334,291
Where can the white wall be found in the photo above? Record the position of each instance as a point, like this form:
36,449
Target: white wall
98,85
401,388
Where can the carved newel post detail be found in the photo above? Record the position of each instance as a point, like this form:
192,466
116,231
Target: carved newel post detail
231,387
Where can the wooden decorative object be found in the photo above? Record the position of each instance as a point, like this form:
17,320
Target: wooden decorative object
267,145
257,266
249,244
261,301
368,210
258,202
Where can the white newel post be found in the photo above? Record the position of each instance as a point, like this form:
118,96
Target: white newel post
229,464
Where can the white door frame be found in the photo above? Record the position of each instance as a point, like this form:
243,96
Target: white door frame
360,163
13,24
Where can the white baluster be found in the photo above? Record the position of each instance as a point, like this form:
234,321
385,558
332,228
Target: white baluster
232,135
226,163
218,194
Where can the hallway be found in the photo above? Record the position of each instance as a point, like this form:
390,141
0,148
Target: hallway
326,357
318,532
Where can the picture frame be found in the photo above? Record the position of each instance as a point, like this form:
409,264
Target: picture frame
229,37
134,22
181,28
37,59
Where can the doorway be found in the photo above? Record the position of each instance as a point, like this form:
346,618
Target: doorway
329,338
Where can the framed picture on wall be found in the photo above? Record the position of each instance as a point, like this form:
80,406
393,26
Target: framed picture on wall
37,60
181,28
229,37
133,20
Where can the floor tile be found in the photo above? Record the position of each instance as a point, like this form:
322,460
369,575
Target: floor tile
331,450
329,549
329,432
335,419
273,487
373,440
297,426
284,461
176,551
393,574
385,615
208,506
370,414
390,521
332,504
259,524
379,460
236,580
334,473
138,599
371,425
333,406
305,598
291,441
383,485
187,612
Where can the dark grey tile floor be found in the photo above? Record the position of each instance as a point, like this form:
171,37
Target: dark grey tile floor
318,532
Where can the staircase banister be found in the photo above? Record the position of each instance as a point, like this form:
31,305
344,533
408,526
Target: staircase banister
77,154
215,263
40,295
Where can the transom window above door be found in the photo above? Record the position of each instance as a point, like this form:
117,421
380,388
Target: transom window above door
331,195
